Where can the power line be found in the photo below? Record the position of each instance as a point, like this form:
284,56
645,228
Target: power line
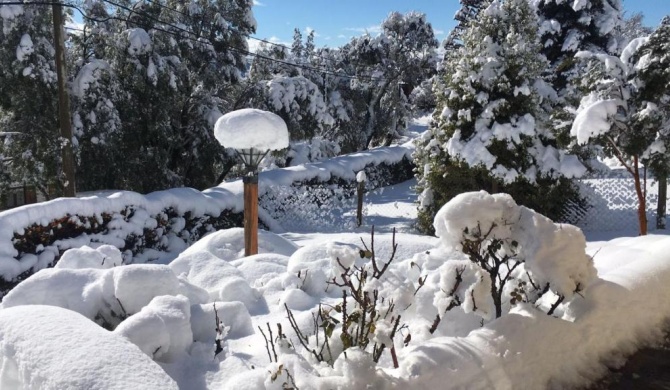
198,40
237,50
307,67
244,35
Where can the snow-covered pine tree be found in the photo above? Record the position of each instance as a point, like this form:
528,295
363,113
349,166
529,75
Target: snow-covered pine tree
297,48
468,12
404,52
654,87
489,129
567,27
290,91
29,145
171,70
626,111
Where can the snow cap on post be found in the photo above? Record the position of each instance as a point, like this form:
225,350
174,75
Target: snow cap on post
361,177
250,128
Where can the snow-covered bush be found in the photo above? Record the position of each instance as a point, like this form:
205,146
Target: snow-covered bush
515,255
46,347
106,296
367,318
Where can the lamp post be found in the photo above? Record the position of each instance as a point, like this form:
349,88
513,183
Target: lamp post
253,134
250,158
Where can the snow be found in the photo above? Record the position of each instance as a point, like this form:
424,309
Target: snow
88,75
139,42
44,347
251,128
168,311
594,120
25,47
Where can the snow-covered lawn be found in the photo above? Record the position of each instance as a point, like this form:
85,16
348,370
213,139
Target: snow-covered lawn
161,329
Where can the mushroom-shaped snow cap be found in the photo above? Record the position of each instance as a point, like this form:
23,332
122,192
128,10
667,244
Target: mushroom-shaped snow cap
250,128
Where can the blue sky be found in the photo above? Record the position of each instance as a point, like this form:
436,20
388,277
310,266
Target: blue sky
335,21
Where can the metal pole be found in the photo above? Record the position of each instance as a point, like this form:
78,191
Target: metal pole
250,214
63,103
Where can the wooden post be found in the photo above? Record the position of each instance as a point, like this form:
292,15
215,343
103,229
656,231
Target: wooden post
250,215
361,191
662,199
63,103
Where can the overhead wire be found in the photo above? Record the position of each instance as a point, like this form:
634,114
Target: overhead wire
198,40
238,50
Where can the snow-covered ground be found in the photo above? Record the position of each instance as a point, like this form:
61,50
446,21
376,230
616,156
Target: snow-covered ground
155,325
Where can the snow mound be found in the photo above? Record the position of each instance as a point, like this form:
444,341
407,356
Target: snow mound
162,329
256,267
228,244
106,296
222,280
44,347
104,256
250,128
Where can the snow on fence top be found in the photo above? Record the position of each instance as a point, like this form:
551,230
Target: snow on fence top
250,128
146,209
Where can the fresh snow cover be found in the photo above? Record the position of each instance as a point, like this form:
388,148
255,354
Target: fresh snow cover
250,128
46,347
518,350
226,196
89,74
594,120
162,329
361,177
25,47
139,42
104,256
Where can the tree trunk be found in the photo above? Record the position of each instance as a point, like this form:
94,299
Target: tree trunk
642,203
662,200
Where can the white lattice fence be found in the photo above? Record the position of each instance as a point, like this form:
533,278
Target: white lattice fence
612,204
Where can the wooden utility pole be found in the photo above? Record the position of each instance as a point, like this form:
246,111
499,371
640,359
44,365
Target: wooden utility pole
63,103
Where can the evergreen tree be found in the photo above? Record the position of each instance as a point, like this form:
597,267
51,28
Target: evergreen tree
489,129
404,52
654,76
567,27
167,75
297,48
626,113
30,145
468,12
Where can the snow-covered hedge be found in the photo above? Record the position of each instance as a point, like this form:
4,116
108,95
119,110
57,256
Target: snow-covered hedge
154,226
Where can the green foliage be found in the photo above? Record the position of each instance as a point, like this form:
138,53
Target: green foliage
493,82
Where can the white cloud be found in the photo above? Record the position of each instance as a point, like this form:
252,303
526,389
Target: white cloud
375,29
439,32
258,4
342,36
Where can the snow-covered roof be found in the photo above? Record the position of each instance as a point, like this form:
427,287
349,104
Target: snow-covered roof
250,128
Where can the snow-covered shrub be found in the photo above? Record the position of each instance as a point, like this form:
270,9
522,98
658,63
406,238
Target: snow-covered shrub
140,237
104,256
368,316
515,254
161,329
46,347
106,296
